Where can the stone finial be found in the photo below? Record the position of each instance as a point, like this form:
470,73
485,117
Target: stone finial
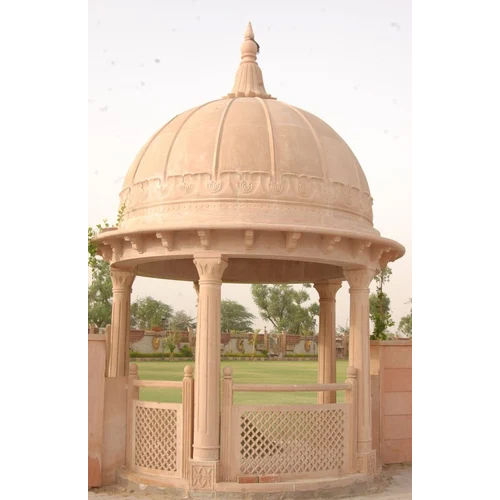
249,33
248,81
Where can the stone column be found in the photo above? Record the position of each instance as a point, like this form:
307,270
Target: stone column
192,341
120,323
327,350
207,371
359,358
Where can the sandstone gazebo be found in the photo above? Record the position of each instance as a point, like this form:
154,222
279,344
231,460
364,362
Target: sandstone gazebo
247,189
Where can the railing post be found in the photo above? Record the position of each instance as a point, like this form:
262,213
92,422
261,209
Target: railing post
227,403
132,394
352,398
187,418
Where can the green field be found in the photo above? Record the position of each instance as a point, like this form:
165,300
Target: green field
255,372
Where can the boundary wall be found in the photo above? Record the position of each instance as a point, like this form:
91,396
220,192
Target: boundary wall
391,377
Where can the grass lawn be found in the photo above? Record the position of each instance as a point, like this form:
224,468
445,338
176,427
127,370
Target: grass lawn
256,372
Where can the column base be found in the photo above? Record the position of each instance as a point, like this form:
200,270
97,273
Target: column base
203,474
367,462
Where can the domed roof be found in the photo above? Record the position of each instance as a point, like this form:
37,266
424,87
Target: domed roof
245,158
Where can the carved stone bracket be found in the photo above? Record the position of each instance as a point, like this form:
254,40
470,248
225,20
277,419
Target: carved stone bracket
204,235
137,242
105,251
376,252
116,249
291,240
167,239
249,238
387,256
330,242
359,246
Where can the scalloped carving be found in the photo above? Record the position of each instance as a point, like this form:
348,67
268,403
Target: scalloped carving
192,188
214,186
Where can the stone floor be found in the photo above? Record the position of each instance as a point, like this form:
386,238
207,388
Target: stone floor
397,479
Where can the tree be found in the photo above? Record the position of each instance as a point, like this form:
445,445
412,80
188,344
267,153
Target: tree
405,323
181,321
100,294
234,316
285,308
100,289
147,313
380,311
170,343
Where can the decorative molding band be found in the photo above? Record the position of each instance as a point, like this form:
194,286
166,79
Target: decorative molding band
239,185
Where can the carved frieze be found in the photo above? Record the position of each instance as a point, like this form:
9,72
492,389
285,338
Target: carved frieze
300,189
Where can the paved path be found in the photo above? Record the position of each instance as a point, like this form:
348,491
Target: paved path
398,476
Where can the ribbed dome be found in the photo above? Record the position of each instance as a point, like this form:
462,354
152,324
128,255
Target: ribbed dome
243,157
247,134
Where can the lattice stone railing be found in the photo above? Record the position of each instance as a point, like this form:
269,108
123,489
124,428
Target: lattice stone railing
157,432
287,441
284,440
160,435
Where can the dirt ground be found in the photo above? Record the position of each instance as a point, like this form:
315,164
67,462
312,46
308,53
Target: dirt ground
396,477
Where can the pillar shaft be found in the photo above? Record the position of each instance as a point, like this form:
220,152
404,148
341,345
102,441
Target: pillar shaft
327,351
207,360
120,323
359,356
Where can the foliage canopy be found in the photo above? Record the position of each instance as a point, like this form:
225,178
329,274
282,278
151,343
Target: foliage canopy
380,306
234,316
285,308
147,313
180,321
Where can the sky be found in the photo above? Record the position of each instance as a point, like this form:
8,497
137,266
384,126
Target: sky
346,61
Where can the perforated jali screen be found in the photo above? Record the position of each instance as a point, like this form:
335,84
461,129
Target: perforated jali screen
157,435
288,440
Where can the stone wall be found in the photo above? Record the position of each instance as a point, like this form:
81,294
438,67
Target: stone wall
97,365
391,372
147,342
107,413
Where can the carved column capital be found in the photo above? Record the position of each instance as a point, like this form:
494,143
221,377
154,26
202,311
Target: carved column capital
210,268
328,289
122,280
359,279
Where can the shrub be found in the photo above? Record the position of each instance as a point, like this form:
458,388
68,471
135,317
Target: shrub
186,352
242,355
159,354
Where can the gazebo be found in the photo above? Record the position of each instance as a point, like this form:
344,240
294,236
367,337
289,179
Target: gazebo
246,189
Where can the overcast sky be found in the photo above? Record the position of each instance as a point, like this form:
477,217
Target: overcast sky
346,61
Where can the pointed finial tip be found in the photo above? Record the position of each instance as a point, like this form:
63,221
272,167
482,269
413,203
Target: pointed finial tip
249,32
